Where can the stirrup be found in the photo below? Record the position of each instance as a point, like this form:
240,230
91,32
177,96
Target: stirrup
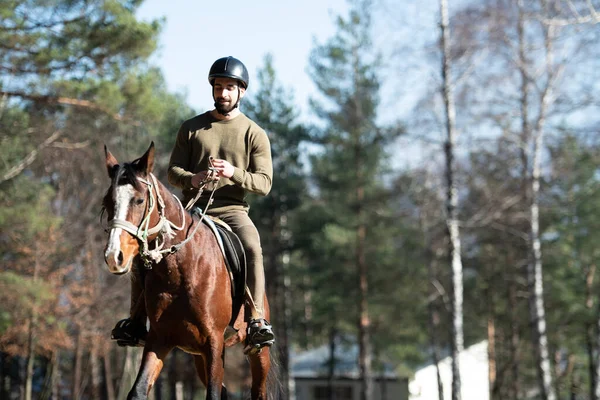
129,332
259,335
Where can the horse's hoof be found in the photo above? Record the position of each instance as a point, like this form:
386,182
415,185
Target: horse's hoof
230,332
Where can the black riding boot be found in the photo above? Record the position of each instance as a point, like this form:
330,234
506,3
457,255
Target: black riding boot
129,332
260,334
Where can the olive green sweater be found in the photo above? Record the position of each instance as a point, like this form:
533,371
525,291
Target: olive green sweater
240,141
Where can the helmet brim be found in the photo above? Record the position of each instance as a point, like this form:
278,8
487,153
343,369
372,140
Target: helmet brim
212,78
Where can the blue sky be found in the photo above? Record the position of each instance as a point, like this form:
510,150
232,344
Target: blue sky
198,32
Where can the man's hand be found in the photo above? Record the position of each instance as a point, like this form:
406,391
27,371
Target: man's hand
204,176
224,168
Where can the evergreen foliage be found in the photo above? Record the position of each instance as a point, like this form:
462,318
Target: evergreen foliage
75,75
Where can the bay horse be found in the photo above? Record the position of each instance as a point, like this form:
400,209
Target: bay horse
187,285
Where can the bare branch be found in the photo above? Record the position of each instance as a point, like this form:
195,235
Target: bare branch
441,293
573,9
27,161
589,19
86,104
505,228
592,18
71,146
485,215
468,72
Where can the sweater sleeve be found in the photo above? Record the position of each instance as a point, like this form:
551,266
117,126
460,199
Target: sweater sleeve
179,164
259,176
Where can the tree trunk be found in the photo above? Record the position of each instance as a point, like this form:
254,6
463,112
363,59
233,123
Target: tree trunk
574,386
285,318
179,390
331,363
55,378
280,282
435,355
157,390
307,302
126,382
95,371
4,376
535,279
534,268
32,324
431,306
108,376
30,357
597,341
31,334
590,332
173,376
192,387
451,205
77,366
515,338
364,322
560,376
491,336
47,389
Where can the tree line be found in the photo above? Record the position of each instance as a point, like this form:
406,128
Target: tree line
488,234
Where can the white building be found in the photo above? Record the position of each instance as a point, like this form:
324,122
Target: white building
474,369
310,373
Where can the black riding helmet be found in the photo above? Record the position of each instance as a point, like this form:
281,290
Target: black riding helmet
229,67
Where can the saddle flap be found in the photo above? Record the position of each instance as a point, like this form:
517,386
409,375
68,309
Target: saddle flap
235,259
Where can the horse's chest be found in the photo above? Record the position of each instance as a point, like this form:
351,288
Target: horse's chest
162,304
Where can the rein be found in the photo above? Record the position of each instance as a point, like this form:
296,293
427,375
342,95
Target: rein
143,231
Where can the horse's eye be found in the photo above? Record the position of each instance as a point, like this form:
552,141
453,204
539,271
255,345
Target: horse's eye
139,201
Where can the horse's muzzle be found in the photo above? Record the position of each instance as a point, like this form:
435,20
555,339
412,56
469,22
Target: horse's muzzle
116,262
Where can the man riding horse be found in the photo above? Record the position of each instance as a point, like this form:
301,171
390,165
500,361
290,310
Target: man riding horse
225,147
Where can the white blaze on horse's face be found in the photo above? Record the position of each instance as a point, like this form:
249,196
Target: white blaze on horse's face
118,261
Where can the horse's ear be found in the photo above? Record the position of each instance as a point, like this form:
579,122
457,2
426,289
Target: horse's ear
146,162
111,162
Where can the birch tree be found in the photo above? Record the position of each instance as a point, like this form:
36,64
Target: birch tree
526,57
457,340
532,142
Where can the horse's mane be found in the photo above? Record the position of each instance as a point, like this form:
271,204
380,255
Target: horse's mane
127,174
124,174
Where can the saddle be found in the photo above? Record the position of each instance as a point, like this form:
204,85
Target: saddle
235,259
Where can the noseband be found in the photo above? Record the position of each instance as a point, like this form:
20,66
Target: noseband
143,231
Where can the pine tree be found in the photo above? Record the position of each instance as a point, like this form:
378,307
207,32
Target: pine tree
75,75
572,226
348,172
273,110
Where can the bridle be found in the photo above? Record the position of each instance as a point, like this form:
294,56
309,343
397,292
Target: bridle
143,231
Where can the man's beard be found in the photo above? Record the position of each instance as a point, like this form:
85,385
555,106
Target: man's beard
224,108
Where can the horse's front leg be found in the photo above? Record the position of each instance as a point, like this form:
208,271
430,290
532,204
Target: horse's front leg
214,369
152,363
260,364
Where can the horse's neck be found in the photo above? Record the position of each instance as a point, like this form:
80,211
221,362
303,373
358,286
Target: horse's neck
173,211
